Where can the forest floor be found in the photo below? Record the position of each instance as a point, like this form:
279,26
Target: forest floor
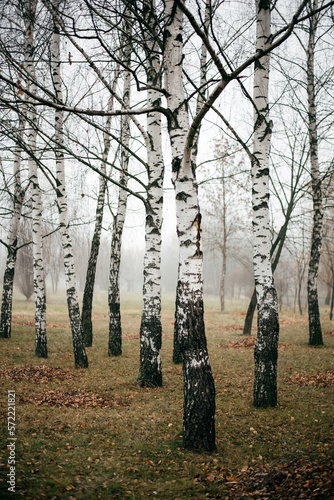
92,433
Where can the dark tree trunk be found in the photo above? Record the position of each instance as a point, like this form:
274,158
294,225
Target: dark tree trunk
328,296
315,333
80,358
250,315
332,302
7,293
177,355
316,241
300,307
87,301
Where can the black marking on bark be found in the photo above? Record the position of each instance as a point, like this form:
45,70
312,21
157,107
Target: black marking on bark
268,129
176,165
183,196
264,204
264,172
167,34
264,5
149,220
258,64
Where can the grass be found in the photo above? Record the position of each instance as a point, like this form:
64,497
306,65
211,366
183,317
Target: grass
134,449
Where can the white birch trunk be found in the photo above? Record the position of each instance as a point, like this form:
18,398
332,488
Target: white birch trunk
315,333
150,373
199,391
8,279
80,358
115,326
265,378
177,356
36,197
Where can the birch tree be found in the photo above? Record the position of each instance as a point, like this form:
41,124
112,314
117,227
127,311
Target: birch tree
115,327
201,96
17,201
291,154
265,354
80,357
87,301
315,334
150,373
199,390
29,15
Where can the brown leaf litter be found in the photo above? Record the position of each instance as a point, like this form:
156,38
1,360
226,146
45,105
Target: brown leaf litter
321,379
249,343
79,398
40,374
299,479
